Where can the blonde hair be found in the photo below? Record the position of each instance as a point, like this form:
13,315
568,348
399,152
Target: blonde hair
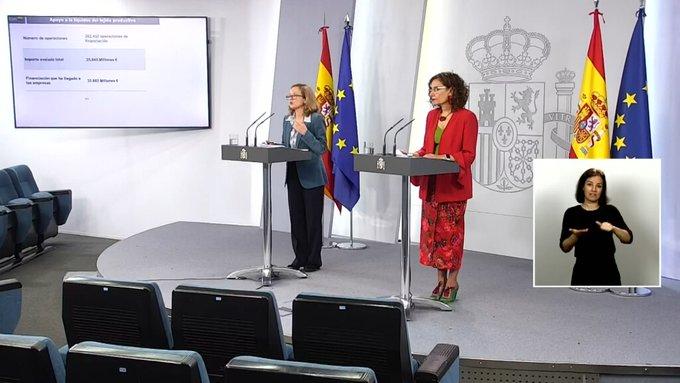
308,95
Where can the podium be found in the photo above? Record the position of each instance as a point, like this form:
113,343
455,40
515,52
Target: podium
406,167
266,155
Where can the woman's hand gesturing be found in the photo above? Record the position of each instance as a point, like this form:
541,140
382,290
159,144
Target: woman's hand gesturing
606,226
578,232
299,125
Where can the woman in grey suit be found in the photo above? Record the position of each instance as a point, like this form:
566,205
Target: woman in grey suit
304,128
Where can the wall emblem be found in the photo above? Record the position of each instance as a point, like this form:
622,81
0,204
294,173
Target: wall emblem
244,154
513,125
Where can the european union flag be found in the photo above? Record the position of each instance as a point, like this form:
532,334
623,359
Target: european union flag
345,140
631,137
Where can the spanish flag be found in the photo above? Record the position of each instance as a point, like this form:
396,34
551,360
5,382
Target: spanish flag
325,101
591,127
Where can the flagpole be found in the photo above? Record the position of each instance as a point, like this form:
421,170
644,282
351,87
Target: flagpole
631,292
643,148
351,245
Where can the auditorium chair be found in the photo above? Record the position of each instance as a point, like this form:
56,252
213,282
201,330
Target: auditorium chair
23,180
89,362
30,359
6,236
249,369
221,324
368,333
116,312
21,216
43,204
10,305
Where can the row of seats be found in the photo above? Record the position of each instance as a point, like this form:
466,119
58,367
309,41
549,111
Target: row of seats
223,324
28,216
31,359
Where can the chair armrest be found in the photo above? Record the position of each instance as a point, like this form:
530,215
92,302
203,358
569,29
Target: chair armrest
9,284
59,192
4,210
437,363
41,197
19,204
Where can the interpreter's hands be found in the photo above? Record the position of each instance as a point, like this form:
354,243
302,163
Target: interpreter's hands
299,125
606,226
578,232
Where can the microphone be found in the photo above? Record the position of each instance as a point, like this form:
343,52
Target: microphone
385,137
249,126
394,147
258,125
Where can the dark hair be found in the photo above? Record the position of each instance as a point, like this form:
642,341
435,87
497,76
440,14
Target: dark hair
460,90
592,172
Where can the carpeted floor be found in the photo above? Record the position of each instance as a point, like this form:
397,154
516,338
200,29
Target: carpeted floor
41,279
499,316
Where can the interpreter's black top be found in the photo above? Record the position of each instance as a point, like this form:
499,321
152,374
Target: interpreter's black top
594,250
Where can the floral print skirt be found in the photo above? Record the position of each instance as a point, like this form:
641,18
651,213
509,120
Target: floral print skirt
442,231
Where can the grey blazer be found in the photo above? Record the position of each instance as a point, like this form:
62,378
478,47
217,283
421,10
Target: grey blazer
311,172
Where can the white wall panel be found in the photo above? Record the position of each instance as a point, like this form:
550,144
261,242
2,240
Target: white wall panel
126,181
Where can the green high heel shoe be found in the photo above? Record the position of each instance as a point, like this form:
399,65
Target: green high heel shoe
437,292
449,294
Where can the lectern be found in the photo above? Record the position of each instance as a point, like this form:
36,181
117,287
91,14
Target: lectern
406,167
266,155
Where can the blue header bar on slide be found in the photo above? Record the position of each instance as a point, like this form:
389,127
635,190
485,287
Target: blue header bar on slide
53,20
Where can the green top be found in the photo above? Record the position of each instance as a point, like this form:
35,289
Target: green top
437,138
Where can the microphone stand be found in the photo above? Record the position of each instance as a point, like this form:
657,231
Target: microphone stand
253,123
394,145
385,136
258,125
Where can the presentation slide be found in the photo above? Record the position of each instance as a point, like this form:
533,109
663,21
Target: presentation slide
109,72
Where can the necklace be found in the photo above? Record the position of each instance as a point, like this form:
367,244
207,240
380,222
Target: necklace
443,118
590,207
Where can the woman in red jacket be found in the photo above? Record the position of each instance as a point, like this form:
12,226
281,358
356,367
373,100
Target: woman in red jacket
450,134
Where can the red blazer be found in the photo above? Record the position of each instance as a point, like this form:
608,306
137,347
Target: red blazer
458,140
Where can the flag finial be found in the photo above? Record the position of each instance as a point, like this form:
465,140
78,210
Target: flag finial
347,20
597,3
642,3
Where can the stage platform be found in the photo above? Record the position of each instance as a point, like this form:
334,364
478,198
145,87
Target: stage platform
498,317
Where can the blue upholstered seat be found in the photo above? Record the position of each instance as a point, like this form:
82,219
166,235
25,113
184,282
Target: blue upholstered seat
21,215
369,333
7,236
116,312
43,203
25,184
10,305
221,324
30,359
244,369
100,362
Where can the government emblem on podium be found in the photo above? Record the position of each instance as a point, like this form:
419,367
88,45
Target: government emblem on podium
244,154
380,164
